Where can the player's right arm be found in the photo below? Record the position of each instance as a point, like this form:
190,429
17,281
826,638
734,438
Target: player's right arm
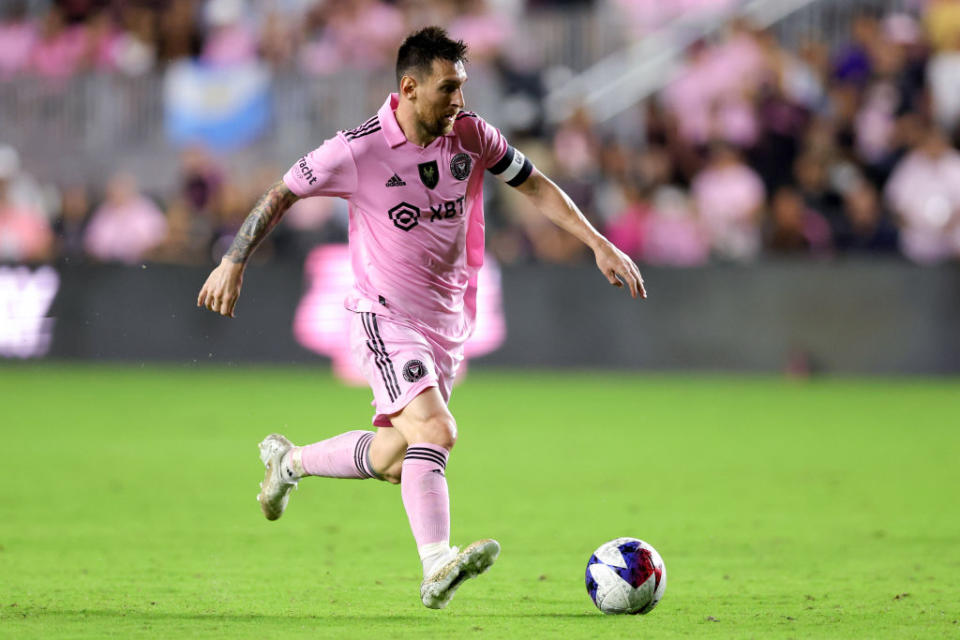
222,288
328,170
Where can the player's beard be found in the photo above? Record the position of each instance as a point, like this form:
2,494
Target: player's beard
439,127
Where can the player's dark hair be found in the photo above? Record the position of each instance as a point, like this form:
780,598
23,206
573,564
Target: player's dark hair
420,49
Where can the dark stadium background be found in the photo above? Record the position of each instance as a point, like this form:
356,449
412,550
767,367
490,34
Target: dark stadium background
742,152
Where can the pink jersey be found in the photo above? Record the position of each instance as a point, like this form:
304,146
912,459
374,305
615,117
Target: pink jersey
416,214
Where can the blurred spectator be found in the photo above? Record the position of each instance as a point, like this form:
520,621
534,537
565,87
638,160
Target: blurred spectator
114,48
673,235
903,34
25,234
924,192
800,78
280,38
729,197
854,62
229,41
874,123
628,227
794,227
18,34
867,227
70,227
179,34
711,96
62,49
181,244
358,34
843,101
811,175
126,226
201,180
575,146
782,123
485,30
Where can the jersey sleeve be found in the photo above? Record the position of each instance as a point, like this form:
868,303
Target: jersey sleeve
328,170
501,159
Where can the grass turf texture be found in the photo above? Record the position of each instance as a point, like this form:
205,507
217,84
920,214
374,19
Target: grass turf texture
822,509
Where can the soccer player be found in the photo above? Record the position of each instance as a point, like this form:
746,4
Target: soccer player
412,175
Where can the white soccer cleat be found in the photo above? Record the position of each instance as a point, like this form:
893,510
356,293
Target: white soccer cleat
437,590
275,489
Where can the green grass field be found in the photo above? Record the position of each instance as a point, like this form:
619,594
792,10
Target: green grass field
826,509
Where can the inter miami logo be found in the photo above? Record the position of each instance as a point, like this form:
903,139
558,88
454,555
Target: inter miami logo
405,216
429,173
414,370
460,166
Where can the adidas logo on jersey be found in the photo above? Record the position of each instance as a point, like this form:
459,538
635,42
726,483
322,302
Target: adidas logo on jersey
396,181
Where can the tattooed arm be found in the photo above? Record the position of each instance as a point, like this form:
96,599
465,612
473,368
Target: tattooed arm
264,217
222,288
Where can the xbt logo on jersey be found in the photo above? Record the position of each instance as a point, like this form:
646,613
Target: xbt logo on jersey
406,216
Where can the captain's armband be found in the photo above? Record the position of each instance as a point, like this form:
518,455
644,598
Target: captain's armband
513,168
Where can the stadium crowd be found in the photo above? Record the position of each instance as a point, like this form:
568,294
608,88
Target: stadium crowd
752,150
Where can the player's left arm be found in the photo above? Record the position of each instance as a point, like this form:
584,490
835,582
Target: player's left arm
554,203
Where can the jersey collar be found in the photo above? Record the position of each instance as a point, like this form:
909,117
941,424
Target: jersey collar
388,121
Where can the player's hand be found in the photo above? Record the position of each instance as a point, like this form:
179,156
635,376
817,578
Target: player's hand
222,288
619,269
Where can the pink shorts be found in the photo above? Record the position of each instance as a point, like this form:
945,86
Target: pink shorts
399,362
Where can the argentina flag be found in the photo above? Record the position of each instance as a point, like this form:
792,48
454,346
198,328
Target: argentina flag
222,108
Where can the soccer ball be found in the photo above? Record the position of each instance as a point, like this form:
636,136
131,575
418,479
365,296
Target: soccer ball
626,575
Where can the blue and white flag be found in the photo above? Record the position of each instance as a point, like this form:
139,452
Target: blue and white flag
221,108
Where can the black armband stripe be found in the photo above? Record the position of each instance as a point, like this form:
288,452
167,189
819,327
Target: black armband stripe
504,162
521,177
513,168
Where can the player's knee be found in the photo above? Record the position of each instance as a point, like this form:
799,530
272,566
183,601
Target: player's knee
440,430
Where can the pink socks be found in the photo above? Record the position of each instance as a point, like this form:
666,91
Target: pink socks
342,456
424,490
423,485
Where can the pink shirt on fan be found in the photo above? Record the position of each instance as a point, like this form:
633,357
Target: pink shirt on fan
18,40
125,232
416,216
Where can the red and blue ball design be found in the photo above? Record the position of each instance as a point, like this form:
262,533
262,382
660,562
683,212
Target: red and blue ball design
626,575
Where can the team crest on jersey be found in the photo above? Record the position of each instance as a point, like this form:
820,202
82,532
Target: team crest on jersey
429,173
414,370
460,166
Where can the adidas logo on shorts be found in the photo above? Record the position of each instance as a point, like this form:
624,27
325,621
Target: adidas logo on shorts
396,181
